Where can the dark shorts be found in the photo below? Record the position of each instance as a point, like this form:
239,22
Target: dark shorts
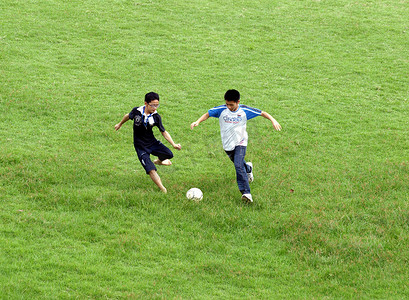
158,149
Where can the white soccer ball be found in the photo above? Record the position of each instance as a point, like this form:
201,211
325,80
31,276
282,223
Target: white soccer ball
194,194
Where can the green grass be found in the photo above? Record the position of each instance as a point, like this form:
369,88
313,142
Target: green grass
80,219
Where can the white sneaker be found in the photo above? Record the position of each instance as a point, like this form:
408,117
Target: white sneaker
247,198
250,175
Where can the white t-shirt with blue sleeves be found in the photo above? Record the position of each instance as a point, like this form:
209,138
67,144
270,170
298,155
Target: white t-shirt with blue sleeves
233,124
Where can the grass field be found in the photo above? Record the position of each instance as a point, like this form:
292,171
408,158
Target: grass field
80,219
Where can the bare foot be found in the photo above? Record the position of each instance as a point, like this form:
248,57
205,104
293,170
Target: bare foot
165,162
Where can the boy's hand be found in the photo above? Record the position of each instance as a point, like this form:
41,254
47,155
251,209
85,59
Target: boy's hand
124,119
194,124
177,146
276,125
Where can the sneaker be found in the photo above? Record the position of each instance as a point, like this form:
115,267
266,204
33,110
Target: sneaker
247,198
250,175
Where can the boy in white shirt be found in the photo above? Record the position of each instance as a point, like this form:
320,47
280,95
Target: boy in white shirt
233,120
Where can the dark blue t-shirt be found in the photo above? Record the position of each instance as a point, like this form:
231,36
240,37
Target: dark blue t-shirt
142,127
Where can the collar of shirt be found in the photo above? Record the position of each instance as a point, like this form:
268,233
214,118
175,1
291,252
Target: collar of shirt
147,119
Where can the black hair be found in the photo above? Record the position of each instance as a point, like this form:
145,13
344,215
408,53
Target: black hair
232,95
151,96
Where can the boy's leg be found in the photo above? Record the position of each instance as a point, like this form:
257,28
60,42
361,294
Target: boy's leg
150,169
237,156
163,153
145,159
248,165
156,179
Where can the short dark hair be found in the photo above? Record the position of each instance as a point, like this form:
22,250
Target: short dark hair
151,96
232,95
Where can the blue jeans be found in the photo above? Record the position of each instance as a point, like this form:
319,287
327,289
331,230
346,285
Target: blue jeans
237,157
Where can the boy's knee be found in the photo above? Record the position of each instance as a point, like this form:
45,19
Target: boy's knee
239,166
168,155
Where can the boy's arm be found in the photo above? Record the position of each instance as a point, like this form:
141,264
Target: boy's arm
167,136
200,120
124,119
276,125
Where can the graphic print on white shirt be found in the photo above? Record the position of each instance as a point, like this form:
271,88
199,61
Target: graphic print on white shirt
233,124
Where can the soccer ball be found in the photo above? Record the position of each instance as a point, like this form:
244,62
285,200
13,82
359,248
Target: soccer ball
194,194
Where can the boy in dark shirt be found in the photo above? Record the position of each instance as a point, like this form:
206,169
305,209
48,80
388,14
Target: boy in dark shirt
144,119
